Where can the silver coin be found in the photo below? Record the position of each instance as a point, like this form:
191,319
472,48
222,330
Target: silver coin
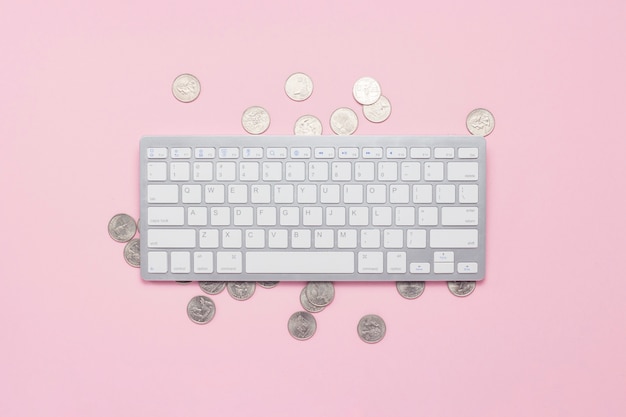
344,121
480,122
201,309
268,284
461,288
302,325
255,120
378,111
410,289
241,290
371,328
306,304
366,90
212,287
320,294
122,227
186,88
131,253
308,125
299,86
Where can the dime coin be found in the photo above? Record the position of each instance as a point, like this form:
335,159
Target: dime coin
410,289
186,88
131,253
480,122
122,228
308,126
268,284
378,111
371,328
344,121
201,309
255,120
366,90
461,288
306,304
320,294
212,287
302,325
299,86
240,290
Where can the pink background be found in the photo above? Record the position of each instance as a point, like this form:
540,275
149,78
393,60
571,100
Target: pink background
543,335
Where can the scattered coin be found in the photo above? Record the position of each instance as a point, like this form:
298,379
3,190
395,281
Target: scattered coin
241,290
378,111
461,288
122,227
366,90
201,309
308,125
186,88
302,325
299,86
255,120
212,287
371,328
306,304
320,294
131,253
410,289
268,284
344,121
480,122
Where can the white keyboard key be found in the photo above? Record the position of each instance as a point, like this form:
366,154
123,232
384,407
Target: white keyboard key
372,153
444,153
443,256
180,153
405,216
167,216
276,153
393,238
346,239
165,193
341,171
419,268
427,216
381,216
359,216
260,194
179,171
399,193
300,153
228,153
324,239
214,193
272,171
423,193
335,216
468,193
324,153
443,267
364,171
294,171
453,238
318,171
445,193
277,238
307,193
396,153
157,262
353,194
348,153
255,238
370,262
229,262
192,194
459,216
231,238
220,216
410,171
266,216
462,171
249,171
237,193
209,238
289,216
420,153
387,171
301,238
225,171
468,153
203,171
330,193
467,268
433,171
376,194
180,262
157,153
370,238
416,238
243,216
197,216
396,262
283,193
300,262
312,216
252,153
203,262
205,153
156,171
171,238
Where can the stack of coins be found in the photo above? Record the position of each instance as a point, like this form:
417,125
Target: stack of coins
122,228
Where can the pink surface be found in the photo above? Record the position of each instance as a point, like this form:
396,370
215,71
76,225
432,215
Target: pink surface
543,335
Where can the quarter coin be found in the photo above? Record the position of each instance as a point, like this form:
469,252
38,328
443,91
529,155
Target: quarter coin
371,328
344,121
302,325
201,309
212,287
461,288
122,227
186,88
480,122
378,111
299,86
308,125
255,120
131,253
241,290
410,289
366,90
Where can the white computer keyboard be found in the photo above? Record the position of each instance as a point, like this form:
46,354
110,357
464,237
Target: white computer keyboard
322,208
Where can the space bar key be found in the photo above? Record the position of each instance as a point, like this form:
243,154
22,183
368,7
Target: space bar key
299,262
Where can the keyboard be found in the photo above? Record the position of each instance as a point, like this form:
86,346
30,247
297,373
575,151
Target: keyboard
319,208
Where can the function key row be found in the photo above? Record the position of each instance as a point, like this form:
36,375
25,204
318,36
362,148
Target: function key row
317,153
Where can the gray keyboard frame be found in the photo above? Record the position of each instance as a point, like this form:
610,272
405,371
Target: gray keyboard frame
415,255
